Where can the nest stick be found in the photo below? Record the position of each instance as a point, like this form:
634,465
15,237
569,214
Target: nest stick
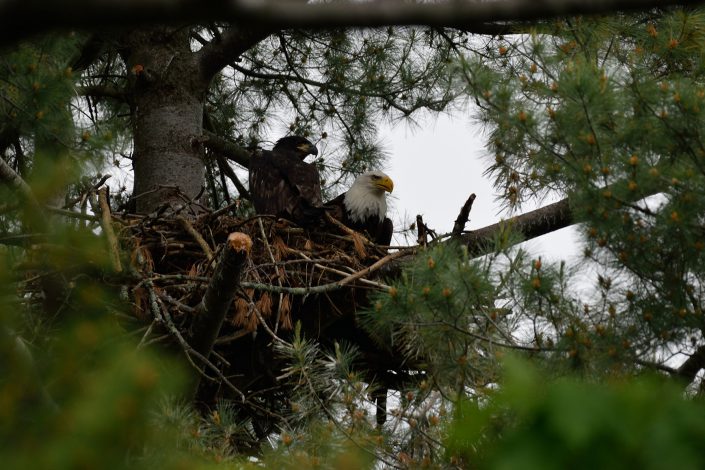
220,293
339,272
279,281
196,236
359,241
106,223
372,267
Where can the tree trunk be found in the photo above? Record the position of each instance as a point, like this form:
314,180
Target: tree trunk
168,96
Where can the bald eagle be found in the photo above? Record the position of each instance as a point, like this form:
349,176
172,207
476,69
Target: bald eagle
364,206
284,185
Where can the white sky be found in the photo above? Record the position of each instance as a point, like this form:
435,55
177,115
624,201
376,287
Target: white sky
437,165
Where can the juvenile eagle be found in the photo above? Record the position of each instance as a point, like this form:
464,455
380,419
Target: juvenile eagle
364,206
284,185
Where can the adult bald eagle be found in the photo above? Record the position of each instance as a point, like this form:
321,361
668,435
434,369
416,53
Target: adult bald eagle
364,206
284,185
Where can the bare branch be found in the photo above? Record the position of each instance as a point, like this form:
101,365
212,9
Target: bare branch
220,293
8,175
102,91
216,55
190,229
230,150
462,219
107,225
531,225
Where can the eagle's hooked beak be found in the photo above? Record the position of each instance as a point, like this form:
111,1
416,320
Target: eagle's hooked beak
307,149
385,183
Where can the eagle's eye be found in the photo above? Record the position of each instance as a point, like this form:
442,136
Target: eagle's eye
375,177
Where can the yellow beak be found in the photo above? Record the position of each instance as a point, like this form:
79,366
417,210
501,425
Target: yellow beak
386,183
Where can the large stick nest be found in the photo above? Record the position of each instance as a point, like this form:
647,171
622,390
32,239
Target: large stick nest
292,275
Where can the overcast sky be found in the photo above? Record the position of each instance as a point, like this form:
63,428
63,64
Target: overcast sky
436,166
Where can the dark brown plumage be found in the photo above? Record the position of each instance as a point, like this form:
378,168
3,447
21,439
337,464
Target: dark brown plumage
284,185
364,206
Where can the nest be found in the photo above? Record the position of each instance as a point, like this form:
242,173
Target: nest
292,274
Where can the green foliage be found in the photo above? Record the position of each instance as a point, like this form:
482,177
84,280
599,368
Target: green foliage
609,111
442,312
337,83
532,423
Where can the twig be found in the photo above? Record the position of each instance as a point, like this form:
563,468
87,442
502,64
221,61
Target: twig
462,219
107,225
82,196
162,316
379,285
74,215
267,328
9,175
142,342
279,281
196,236
330,286
230,173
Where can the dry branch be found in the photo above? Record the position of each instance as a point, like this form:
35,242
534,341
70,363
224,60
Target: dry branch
462,219
531,225
220,293
196,236
106,223
12,179
228,149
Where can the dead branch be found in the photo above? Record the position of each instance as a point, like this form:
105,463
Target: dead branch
227,170
12,179
220,293
690,368
531,225
106,223
358,239
279,281
196,236
462,219
228,149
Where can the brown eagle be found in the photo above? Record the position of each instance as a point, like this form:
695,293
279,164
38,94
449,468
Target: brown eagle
364,206
284,185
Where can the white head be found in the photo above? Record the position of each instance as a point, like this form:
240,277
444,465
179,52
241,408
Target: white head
366,197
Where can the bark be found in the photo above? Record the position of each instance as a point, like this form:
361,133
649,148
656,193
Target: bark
168,95
169,85
531,225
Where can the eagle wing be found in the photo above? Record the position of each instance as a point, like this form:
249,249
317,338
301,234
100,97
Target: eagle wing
283,185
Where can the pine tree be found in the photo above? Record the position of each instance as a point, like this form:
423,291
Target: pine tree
469,353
